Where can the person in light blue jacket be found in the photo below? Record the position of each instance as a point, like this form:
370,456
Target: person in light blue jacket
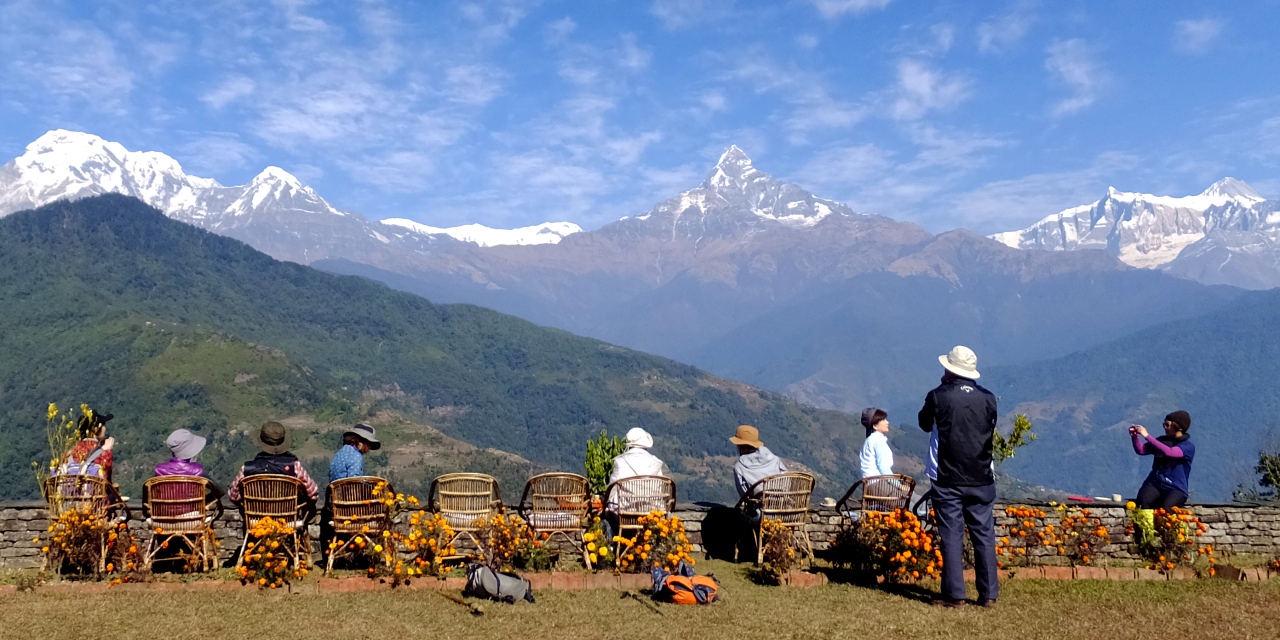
876,458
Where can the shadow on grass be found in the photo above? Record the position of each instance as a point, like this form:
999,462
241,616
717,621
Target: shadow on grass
868,581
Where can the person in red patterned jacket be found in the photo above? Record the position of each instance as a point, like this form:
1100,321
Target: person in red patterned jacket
273,439
92,428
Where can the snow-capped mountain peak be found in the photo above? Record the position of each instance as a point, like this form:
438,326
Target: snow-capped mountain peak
545,233
1231,188
735,195
1145,230
733,170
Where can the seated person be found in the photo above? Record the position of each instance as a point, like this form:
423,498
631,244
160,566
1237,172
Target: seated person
635,461
92,455
184,446
876,458
273,440
755,461
349,461
1169,482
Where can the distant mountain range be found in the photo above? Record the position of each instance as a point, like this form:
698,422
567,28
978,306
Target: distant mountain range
103,300
751,277
1226,235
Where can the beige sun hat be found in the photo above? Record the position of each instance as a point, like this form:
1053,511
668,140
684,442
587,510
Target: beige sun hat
961,361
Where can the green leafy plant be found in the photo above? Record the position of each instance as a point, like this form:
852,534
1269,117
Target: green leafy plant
599,463
1004,447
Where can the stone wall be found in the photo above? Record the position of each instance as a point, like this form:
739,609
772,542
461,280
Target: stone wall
1231,529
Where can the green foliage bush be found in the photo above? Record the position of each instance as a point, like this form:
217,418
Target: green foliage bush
599,463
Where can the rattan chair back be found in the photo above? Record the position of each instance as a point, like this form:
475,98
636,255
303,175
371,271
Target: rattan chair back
785,497
355,506
177,503
556,502
77,492
465,498
270,496
878,493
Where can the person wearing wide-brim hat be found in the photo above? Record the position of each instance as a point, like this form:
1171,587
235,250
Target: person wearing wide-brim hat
348,462
184,446
273,439
755,461
964,416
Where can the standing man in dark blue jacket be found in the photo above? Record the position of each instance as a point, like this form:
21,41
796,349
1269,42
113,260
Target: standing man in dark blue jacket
965,415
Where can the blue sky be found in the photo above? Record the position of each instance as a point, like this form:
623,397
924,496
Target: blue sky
986,115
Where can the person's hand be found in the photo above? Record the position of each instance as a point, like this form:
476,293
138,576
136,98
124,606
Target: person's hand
1140,430
108,444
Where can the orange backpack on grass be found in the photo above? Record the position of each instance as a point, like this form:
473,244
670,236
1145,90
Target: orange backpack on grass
684,586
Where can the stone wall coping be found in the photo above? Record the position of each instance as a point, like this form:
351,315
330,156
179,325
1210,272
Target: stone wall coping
707,506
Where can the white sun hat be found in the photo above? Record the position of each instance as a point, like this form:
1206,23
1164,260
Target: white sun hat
638,437
962,362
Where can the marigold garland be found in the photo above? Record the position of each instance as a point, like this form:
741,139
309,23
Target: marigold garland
267,559
892,545
661,542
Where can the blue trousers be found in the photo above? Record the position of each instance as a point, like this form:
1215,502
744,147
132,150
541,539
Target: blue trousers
956,508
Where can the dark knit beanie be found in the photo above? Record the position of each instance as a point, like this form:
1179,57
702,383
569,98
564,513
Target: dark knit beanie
1180,418
872,416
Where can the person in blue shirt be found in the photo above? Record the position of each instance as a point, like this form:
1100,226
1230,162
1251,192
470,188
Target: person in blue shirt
349,461
876,458
1169,482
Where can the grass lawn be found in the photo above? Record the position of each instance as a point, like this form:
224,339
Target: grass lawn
1027,609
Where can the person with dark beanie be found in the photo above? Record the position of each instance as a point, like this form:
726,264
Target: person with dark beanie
964,414
1168,484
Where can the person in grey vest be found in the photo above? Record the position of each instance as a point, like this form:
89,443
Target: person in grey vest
964,415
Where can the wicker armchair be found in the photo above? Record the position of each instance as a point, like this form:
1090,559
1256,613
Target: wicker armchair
877,493
276,497
178,508
464,499
633,498
354,507
87,494
784,497
556,504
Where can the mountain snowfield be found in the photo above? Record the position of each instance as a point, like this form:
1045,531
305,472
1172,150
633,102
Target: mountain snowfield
1225,235
545,233
70,165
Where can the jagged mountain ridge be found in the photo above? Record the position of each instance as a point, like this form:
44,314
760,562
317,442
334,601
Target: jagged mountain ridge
274,212
1194,236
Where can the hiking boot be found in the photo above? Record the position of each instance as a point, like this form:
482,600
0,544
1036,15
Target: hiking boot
989,604
948,603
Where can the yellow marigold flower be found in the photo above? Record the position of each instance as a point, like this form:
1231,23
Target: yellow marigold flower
378,548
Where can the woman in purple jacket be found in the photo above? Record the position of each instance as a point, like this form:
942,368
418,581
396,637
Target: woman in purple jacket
185,446
1169,482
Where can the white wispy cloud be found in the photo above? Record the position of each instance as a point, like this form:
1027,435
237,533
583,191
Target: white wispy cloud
810,103
1196,36
473,84
1072,63
1001,32
1003,205
633,57
921,89
831,9
228,91
217,153
678,14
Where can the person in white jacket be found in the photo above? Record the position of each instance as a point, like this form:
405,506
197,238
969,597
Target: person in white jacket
876,458
634,461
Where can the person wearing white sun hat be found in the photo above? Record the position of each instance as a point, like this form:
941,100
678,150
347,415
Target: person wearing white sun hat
635,461
964,492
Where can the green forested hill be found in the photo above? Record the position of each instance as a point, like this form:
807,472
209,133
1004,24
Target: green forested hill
106,301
